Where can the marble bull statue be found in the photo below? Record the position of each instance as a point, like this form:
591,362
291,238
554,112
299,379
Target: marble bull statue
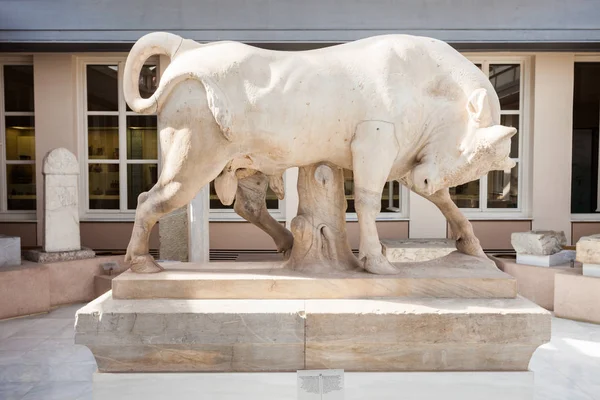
391,107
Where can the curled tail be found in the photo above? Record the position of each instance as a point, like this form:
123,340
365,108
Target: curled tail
156,43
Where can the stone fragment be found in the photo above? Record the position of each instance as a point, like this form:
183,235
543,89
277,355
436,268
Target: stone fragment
10,250
412,250
42,257
61,194
541,243
588,249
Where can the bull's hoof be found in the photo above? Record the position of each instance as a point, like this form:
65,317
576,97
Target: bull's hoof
145,265
378,264
470,247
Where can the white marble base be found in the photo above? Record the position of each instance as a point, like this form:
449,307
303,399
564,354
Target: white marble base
10,251
282,386
552,260
591,270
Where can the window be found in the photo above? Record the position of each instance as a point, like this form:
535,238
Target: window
501,191
585,191
122,147
17,140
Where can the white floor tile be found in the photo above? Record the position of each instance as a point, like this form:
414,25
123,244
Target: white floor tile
57,391
14,391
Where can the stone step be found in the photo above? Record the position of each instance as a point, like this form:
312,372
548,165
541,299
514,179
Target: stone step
454,276
414,250
392,334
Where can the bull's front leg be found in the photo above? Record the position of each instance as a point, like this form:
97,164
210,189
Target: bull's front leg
374,149
462,230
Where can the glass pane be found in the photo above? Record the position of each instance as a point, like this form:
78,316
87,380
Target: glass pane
215,204
140,178
104,186
467,195
20,186
584,152
506,79
386,205
18,87
103,137
478,66
20,138
512,120
142,138
147,82
503,187
102,87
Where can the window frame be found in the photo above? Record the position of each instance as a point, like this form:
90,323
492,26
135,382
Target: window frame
5,213
589,217
121,214
524,159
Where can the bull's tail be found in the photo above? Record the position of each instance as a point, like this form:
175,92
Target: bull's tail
149,45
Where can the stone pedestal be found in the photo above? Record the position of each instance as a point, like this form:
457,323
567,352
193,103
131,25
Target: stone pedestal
10,251
577,296
417,250
552,260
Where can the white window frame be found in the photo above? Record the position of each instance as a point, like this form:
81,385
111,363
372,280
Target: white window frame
5,213
524,159
122,214
591,217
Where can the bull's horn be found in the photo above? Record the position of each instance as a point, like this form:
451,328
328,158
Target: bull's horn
226,186
276,184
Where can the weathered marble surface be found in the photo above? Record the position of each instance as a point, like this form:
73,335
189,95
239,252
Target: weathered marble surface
173,235
193,335
61,195
286,335
577,296
552,260
10,250
424,335
456,275
411,250
588,249
539,243
40,256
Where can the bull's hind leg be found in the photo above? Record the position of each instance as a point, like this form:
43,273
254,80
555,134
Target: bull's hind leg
182,177
374,149
250,203
462,230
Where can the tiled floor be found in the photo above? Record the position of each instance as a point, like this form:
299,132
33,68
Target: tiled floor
38,360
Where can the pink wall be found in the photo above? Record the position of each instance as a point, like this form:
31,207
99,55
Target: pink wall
25,230
495,235
579,229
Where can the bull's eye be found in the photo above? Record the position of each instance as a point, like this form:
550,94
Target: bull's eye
425,182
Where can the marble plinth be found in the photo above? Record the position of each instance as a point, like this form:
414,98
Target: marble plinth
282,386
592,270
10,250
454,276
411,250
286,335
551,260
577,296
42,257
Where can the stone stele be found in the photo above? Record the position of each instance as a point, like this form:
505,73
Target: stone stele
588,249
61,194
541,243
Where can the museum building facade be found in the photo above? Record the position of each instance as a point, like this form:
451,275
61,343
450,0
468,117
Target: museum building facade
61,73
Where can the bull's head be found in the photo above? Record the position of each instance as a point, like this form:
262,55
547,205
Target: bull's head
470,153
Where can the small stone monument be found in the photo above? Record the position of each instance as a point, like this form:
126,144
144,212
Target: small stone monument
541,248
10,250
61,211
588,253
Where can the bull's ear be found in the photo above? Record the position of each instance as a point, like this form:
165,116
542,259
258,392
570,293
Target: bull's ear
477,105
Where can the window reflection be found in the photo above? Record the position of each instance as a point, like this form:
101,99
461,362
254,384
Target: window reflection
141,178
102,87
503,188
103,137
20,138
142,138
20,185
18,88
506,80
467,195
104,186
